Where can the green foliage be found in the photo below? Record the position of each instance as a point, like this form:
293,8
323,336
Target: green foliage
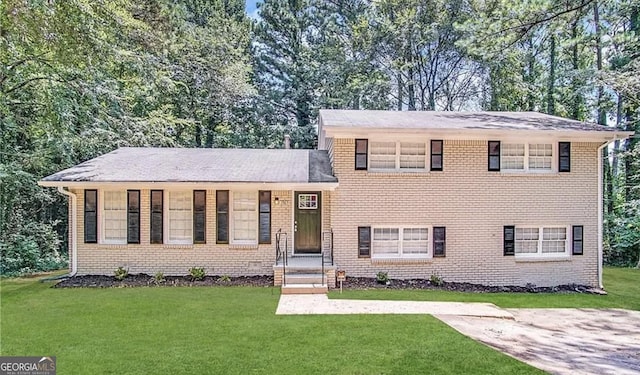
225,278
121,273
158,278
435,279
382,277
197,273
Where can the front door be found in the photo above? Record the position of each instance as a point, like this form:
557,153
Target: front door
307,222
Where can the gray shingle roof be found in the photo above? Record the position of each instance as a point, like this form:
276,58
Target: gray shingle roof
132,164
367,119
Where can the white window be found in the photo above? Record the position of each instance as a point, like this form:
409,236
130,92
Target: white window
398,156
244,217
114,217
180,217
400,243
308,201
541,242
527,156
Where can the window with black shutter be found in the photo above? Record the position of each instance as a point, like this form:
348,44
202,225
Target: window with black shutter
364,242
91,216
133,216
439,241
264,218
156,216
577,237
509,240
199,216
361,154
222,216
564,157
494,155
436,155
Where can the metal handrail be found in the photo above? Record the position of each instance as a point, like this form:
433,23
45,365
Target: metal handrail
330,250
280,254
323,273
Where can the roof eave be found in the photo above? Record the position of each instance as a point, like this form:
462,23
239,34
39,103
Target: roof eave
191,185
479,134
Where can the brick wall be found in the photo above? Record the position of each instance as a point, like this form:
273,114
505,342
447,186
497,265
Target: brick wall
474,205
177,259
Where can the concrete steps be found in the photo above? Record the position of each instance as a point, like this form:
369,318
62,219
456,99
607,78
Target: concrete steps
304,289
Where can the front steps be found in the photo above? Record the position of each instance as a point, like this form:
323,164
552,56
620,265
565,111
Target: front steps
304,289
304,277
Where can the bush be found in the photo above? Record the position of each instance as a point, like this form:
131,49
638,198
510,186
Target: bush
197,273
121,273
382,278
159,278
33,247
435,279
225,278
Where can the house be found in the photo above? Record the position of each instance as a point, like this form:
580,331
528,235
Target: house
497,198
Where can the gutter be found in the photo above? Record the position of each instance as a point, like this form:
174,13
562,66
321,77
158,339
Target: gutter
74,230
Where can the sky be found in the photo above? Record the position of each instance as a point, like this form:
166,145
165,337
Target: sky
252,11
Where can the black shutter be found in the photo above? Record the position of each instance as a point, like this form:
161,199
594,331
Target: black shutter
222,216
577,237
199,216
156,216
564,157
264,220
364,242
133,216
509,236
439,241
362,146
494,155
91,216
436,155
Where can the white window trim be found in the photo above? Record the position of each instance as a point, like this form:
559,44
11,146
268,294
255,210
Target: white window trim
397,169
167,221
401,229
102,218
232,241
554,156
539,254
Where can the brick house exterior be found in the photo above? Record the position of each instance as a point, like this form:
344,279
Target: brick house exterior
489,198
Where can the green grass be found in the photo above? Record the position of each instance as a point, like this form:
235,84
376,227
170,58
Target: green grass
220,330
622,285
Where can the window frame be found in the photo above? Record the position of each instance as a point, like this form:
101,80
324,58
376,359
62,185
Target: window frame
94,220
195,214
561,157
232,218
401,255
398,149
526,168
539,254
167,217
102,218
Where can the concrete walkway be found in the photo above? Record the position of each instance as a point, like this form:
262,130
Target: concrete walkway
318,304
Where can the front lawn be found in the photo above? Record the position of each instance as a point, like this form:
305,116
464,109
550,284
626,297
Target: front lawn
225,330
622,285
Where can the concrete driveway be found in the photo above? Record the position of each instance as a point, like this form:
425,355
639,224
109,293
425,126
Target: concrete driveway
562,341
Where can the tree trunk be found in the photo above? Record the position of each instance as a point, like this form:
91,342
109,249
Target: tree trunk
400,90
551,106
530,78
576,111
602,115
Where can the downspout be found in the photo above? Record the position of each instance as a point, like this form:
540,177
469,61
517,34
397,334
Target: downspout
73,228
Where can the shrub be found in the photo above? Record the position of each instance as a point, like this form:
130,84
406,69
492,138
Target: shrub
120,273
197,273
159,277
382,278
435,279
225,278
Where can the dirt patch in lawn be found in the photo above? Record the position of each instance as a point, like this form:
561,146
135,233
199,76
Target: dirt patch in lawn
101,281
371,283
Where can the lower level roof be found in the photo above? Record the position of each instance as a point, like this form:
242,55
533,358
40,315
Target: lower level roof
206,165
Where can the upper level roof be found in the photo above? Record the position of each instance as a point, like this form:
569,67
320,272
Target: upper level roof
200,165
334,122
